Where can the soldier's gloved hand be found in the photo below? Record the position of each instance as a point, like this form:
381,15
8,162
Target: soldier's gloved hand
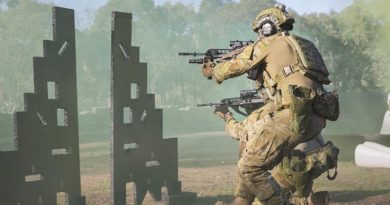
207,68
222,112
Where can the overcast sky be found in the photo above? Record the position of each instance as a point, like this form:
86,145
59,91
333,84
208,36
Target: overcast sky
301,6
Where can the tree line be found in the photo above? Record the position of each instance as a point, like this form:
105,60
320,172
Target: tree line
354,42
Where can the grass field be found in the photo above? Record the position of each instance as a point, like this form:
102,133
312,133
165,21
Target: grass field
207,162
207,166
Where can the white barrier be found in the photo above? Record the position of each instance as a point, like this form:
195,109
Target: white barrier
386,120
372,154
386,124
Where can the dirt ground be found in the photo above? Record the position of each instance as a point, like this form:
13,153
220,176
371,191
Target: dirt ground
209,170
353,186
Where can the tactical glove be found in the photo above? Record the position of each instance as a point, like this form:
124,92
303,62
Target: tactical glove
207,68
222,112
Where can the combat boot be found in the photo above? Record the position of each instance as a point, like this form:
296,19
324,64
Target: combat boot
319,198
236,201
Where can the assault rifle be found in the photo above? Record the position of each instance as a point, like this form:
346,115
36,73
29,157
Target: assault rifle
249,100
218,55
221,55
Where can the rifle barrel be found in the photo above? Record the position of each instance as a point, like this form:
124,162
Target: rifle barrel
191,54
209,104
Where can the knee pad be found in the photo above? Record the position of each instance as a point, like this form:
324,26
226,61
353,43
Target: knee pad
305,167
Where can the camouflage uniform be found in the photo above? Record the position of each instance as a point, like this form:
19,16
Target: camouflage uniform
269,131
293,72
239,131
287,120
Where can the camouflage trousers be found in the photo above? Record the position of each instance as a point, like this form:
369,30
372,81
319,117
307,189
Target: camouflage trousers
265,149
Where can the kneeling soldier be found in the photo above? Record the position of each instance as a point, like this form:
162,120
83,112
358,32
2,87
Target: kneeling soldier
293,72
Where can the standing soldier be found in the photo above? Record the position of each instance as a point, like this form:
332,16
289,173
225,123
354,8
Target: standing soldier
293,72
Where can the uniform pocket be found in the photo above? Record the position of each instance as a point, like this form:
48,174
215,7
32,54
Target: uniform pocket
301,107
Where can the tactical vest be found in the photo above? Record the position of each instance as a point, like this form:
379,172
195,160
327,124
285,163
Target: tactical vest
310,62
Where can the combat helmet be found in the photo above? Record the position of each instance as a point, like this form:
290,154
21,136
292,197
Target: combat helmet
276,15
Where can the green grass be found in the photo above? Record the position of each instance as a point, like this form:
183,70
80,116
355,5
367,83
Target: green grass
208,166
214,154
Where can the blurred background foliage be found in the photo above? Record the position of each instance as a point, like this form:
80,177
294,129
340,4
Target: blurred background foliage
355,44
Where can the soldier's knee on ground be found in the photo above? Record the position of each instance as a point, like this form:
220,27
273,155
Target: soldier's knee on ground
261,185
285,180
243,191
276,199
267,191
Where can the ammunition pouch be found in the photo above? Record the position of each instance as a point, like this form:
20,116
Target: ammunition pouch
300,107
305,167
326,104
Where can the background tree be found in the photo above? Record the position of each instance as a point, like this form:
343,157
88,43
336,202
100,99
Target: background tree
19,43
354,43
